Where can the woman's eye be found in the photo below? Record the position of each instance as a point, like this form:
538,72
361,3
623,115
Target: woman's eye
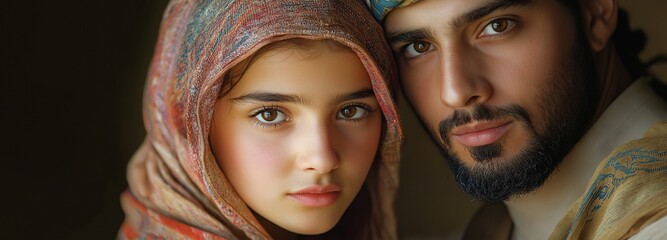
270,116
352,112
497,27
417,48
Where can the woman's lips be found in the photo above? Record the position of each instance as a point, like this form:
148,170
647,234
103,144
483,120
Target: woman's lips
480,133
316,196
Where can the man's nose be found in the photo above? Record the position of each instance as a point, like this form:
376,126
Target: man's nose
461,78
317,152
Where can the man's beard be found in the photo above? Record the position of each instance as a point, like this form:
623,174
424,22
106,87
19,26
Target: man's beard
567,106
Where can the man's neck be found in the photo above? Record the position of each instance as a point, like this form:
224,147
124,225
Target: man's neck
536,214
614,78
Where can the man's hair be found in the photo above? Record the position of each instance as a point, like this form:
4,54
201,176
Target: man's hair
628,43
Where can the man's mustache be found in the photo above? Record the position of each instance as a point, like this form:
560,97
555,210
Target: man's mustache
480,112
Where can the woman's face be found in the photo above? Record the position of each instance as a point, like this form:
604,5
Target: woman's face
297,135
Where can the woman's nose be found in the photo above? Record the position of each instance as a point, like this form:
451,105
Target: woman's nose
317,152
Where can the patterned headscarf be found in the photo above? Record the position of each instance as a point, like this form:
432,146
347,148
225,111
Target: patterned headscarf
380,8
176,188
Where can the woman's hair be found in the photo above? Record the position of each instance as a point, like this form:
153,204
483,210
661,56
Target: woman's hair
357,216
307,46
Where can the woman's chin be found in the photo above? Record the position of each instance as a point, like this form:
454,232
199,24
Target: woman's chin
312,228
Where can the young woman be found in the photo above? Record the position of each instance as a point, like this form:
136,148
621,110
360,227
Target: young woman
266,119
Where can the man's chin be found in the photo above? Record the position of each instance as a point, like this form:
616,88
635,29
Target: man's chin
486,153
491,175
489,157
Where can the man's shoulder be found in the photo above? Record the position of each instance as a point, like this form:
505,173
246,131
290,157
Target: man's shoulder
638,154
654,230
626,190
634,166
659,130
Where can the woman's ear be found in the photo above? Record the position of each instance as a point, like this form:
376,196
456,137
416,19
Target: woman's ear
599,20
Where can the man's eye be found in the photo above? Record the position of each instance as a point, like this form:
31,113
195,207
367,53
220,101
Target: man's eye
270,116
417,48
497,27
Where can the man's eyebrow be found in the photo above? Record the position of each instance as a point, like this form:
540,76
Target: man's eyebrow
411,36
486,9
363,93
268,97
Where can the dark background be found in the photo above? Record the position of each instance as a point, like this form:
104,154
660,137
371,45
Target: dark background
72,76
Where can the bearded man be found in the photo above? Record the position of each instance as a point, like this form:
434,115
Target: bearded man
539,111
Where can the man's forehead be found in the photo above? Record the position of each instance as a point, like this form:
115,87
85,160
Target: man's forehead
420,14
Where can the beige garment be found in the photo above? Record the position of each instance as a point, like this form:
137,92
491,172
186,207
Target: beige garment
626,194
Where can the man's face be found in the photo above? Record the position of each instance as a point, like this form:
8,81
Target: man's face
506,87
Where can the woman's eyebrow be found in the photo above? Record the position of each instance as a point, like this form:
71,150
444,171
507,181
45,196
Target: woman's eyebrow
269,97
289,98
363,93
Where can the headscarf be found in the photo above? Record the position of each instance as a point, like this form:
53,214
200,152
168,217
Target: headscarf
380,8
176,188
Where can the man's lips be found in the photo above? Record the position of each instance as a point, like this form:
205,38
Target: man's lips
316,196
480,133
